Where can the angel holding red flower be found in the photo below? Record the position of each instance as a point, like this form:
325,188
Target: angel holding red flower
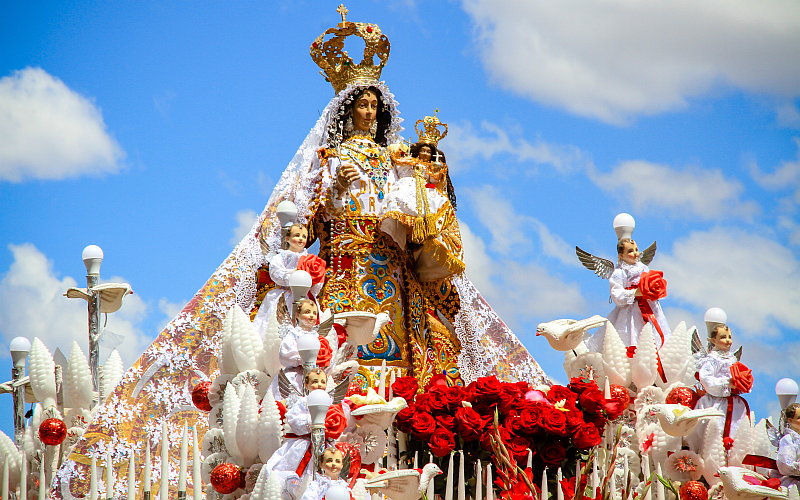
635,289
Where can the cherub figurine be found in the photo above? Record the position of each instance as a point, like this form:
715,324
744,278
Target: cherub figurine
334,468
723,377
632,309
789,447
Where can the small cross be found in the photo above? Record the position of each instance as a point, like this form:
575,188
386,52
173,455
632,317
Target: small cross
343,11
436,156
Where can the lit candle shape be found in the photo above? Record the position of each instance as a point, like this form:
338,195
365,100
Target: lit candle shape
462,495
164,490
148,466
92,480
626,470
23,479
659,486
430,493
607,392
131,477
183,463
382,383
646,469
43,480
197,481
478,481
559,491
489,487
530,458
109,478
545,492
448,491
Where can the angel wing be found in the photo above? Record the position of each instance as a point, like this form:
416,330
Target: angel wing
340,391
738,353
282,311
287,389
647,256
697,344
345,472
773,434
324,327
601,267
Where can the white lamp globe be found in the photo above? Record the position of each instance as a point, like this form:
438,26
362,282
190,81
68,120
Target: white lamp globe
92,258
624,225
308,348
337,492
286,212
300,283
19,347
318,403
786,389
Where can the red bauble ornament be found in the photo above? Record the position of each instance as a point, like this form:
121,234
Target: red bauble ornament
53,431
226,478
620,393
693,490
200,396
682,396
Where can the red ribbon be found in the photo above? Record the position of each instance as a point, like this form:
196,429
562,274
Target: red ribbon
307,456
726,439
650,317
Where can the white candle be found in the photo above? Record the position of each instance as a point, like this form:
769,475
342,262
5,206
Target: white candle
462,495
489,485
607,392
93,480
612,483
164,490
595,478
109,478
478,481
545,491
578,476
530,458
659,486
131,476
430,493
184,460
416,460
4,488
148,466
23,478
392,379
646,468
559,491
448,490
382,384
197,481
626,470
43,479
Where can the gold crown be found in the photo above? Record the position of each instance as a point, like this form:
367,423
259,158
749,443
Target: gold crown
337,66
431,133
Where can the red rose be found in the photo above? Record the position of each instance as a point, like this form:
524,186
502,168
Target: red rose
741,377
558,393
438,380
442,442
447,420
421,402
314,266
454,396
555,422
423,425
486,443
591,400
405,418
597,419
437,401
406,388
518,446
574,420
514,424
469,424
552,453
325,352
578,385
586,437
486,390
653,285
532,419
613,408
335,422
510,395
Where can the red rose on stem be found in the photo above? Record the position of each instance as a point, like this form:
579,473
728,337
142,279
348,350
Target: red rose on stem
442,442
454,396
591,400
552,453
405,419
447,420
513,424
653,285
574,420
555,422
325,352
578,385
406,388
586,437
421,402
469,424
518,448
509,397
437,402
314,266
613,408
335,422
558,393
423,425
597,419
532,419
486,390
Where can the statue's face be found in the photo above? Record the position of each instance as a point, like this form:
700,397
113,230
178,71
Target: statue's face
425,153
307,316
365,110
297,238
794,423
317,381
723,339
332,463
630,254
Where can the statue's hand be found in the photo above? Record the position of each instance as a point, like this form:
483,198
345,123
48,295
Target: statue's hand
347,174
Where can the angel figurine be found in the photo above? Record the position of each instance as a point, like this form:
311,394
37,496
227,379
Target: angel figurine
335,469
789,447
635,297
723,377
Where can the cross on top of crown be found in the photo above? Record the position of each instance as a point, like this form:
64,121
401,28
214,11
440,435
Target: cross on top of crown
343,11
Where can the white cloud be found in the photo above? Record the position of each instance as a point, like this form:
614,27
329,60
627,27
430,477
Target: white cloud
618,59
245,220
751,277
786,175
170,310
51,132
465,143
32,304
693,191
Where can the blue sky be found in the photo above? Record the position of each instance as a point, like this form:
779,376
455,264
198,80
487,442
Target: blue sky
157,130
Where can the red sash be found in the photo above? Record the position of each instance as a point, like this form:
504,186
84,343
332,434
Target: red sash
650,317
306,456
726,431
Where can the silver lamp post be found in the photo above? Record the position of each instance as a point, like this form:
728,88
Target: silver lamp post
786,389
318,403
20,347
92,258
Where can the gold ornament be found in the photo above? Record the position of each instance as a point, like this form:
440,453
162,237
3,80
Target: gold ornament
338,67
431,133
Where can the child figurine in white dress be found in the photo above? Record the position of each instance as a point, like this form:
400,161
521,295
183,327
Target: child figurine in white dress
789,448
281,267
331,467
288,355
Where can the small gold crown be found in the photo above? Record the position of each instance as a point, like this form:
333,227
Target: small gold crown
337,66
431,133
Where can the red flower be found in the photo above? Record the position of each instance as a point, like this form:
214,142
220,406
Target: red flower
518,446
421,402
325,352
423,425
454,396
653,285
555,422
509,396
437,402
335,422
574,420
591,400
314,266
405,419
513,424
558,393
552,453
438,380
586,437
447,420
442,442
486,390
469,424
577,385
613,408
741,377
532,419
341,334
597,419
486,443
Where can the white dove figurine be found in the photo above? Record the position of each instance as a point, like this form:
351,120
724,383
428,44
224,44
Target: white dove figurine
404,484
679,420
566,334
736,487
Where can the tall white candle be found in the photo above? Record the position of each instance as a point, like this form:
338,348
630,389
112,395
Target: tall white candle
462,495
545,491
607,391
132,476
626,470
197,481
646,468
659,486
4,487
23,479
430,493
148,466
382,383
478,481
184,460
612,484
595,478
416,460
43,479
109,477
448,490
530,458
164,490
93,480
392,379
489,485
559,491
